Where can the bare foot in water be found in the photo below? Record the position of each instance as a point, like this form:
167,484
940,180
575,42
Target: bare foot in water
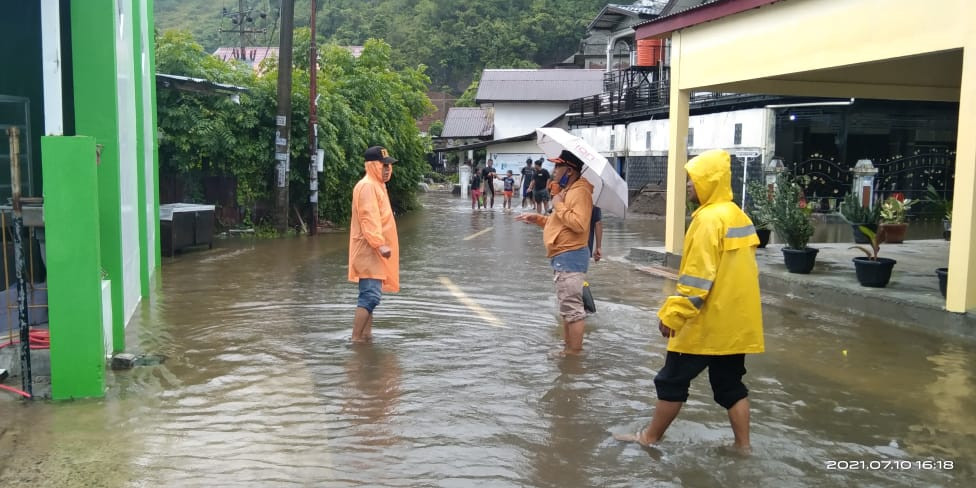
640,437
565,353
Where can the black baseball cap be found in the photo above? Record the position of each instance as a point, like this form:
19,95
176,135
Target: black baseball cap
379,153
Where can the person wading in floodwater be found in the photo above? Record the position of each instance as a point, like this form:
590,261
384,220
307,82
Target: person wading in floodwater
374,248
564,233
716,317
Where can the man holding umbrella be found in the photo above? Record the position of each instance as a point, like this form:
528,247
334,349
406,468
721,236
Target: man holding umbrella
565,234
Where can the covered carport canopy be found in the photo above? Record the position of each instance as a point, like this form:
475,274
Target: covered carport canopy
896,49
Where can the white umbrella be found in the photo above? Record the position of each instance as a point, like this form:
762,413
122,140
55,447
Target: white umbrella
609,189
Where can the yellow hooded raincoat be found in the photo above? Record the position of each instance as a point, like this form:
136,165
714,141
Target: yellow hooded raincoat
372,225
717,310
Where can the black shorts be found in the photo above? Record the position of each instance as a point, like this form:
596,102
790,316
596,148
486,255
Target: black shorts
724,373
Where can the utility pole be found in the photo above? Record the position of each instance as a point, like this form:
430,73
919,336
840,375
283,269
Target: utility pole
26,378
313,130
241,18
283,119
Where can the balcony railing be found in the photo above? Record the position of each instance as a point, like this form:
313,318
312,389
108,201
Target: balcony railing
631,94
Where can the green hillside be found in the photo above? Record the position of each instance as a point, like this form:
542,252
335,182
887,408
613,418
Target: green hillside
455,39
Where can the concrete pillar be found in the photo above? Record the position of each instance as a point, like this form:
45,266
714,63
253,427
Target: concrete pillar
96,114
71,224
674,235
961,288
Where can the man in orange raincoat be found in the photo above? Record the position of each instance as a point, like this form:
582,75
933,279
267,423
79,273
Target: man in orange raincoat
374,250
565,233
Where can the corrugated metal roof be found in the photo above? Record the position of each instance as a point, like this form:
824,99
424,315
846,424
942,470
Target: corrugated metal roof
538,85
675,7
468,122
613,14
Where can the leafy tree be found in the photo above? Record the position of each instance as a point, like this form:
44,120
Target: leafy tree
362,102
453,38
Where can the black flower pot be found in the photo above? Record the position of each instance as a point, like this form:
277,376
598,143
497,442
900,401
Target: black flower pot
873,272
943,274
800,261
763,236
860,237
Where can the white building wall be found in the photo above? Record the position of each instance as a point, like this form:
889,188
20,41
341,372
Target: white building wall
711,131
131,284
516,119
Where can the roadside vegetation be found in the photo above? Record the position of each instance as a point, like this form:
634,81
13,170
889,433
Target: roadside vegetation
363,101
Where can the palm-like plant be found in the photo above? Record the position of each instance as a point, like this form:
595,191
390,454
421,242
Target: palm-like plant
875,238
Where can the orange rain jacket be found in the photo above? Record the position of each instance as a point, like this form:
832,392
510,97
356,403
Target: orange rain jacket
717,310
568,227
372,226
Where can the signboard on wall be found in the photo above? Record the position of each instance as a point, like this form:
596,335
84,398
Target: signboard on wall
503,162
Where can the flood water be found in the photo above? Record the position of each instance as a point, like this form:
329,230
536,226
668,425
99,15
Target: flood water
262,387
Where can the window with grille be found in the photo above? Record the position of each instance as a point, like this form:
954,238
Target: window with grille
737,138
691,137
647,139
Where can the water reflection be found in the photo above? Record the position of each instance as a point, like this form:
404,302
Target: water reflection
374,373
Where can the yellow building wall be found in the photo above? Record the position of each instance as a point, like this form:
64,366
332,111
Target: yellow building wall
890,49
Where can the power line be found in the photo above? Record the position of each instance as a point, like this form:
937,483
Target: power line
243,19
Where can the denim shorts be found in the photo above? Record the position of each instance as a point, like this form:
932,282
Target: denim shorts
370,292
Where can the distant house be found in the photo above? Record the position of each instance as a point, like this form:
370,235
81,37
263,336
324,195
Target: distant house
513,104
254,55
609,37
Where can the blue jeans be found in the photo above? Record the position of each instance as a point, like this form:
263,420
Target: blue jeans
370,292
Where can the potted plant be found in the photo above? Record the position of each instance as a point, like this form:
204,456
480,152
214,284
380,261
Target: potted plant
872,270
944,208
757,208
791,222
859,216
894,213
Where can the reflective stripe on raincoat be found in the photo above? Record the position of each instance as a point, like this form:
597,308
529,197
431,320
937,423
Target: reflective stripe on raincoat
717,310
371,226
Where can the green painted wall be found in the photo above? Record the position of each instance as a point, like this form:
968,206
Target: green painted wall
96,114
71,217
140,148
151,49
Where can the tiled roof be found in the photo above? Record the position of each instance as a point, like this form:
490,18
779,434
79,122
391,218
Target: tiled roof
538,85
468,122
254,54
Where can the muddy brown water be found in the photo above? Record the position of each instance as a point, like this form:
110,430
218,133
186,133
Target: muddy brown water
262,388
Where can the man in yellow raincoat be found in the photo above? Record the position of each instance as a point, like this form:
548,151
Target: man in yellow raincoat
565,233
715,318
374,250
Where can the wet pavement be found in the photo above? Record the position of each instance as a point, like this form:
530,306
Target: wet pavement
911,299
262,387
